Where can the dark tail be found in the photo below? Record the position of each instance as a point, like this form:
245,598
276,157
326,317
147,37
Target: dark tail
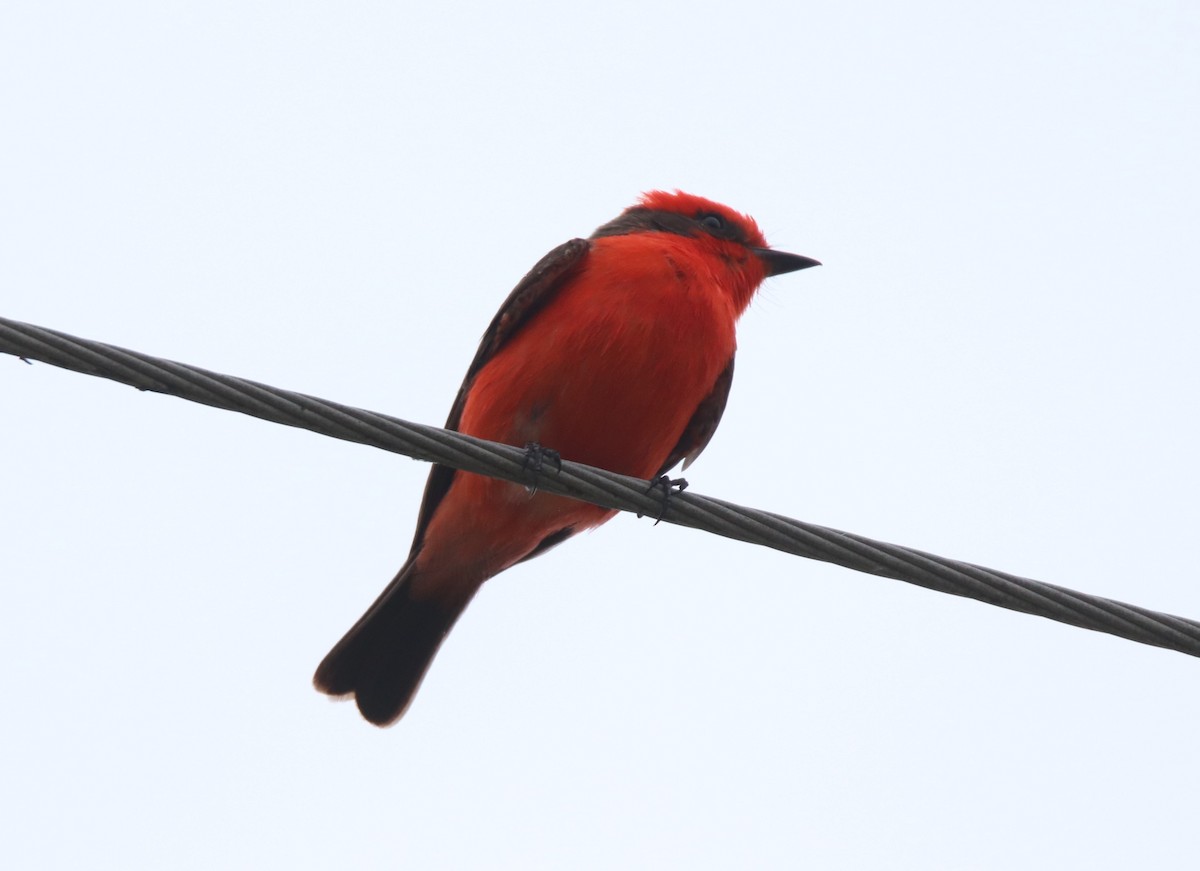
383,658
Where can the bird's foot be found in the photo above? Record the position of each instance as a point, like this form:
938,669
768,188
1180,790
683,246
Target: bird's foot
669,486
537,460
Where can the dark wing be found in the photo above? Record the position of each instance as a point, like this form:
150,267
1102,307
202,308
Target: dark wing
529,296
703,424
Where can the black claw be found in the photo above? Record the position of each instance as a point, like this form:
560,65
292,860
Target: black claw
669,486
536,460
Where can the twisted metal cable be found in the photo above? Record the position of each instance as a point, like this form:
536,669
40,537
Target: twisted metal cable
600,487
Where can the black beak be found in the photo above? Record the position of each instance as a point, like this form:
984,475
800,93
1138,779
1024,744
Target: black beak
779,262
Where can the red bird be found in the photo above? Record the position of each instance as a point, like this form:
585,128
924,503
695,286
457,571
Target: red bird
615,351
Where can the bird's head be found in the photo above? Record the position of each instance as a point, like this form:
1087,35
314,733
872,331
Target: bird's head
719,230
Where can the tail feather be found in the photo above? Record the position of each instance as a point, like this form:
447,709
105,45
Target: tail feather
382,660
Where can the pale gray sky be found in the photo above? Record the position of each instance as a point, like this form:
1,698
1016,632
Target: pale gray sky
998,363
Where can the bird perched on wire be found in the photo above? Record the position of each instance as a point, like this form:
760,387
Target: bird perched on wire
616,351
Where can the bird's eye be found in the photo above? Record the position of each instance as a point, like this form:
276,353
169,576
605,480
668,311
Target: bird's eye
712,223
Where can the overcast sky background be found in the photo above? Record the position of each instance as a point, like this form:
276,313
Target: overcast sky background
998,362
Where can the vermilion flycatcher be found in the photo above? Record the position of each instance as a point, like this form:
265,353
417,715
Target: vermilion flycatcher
615,351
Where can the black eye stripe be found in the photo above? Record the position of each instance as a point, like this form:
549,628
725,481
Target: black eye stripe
639,220
720,227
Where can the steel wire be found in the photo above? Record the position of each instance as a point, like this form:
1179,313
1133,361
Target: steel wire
600,487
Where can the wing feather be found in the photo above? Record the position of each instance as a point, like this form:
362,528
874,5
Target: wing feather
700,429
530,295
